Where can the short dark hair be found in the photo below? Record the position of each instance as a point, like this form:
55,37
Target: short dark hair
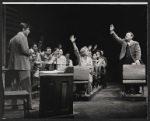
67,54
48,48
99,51
23,26
34,44
56,48
31,44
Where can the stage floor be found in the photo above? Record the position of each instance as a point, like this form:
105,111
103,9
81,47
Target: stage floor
105,105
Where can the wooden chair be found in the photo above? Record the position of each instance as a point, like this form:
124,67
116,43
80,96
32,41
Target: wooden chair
23,94
81,77
134,75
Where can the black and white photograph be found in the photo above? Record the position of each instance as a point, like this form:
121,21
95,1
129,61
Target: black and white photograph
74,60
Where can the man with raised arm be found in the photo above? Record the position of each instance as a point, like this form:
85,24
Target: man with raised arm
130,53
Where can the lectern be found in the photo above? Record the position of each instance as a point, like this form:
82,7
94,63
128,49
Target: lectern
56,94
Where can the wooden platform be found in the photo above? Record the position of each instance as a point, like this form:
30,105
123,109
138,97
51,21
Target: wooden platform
88,97
22,94
132,97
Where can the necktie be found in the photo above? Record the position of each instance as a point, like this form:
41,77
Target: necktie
128,58
127,50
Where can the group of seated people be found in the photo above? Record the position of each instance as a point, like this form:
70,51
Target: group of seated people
56,60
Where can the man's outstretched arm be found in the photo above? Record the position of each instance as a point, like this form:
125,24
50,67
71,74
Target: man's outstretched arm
112,32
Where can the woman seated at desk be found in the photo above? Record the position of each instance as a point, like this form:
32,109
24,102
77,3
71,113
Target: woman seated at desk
84,60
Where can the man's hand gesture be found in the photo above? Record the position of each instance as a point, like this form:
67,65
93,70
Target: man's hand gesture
90,47
112,27
60,46
72,38
95,47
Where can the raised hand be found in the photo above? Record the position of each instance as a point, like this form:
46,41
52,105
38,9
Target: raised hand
60,46
72,38
95,47
90,47
112,27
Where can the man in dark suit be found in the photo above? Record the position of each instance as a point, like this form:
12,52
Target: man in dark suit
130,53
19,64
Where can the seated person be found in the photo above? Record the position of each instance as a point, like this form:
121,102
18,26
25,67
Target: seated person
35,60
95,80
84,60
68,60
100,64
48,59
61,60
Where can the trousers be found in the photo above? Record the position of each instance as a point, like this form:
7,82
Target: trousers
21,80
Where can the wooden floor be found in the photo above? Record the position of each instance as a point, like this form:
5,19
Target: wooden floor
104,105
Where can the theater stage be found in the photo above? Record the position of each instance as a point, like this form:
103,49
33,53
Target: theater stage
105,105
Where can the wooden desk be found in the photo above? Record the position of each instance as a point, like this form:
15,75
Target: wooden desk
56,94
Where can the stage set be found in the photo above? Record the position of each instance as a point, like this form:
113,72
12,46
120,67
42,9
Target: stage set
69,89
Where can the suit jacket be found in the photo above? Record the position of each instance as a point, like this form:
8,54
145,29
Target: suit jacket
135,49
19,53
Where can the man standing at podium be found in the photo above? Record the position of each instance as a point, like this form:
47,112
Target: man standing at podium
19,64
130,53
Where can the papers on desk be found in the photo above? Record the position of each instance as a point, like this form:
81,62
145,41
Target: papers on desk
51,72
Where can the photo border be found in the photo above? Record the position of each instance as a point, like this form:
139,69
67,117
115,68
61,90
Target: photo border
108,1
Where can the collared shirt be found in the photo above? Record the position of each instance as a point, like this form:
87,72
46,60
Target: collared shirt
129,43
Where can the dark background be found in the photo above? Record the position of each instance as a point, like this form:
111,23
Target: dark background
90,25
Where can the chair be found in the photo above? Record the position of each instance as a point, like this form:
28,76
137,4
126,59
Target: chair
81,77
134,74
23,94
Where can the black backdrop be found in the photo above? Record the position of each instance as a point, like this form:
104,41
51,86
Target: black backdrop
90,24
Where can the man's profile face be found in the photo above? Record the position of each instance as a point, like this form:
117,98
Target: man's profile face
35,48
26,31
128,36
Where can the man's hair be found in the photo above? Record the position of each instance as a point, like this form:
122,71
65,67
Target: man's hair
48,48
33,44
56,48
67,54
23,26
131,33
99,51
